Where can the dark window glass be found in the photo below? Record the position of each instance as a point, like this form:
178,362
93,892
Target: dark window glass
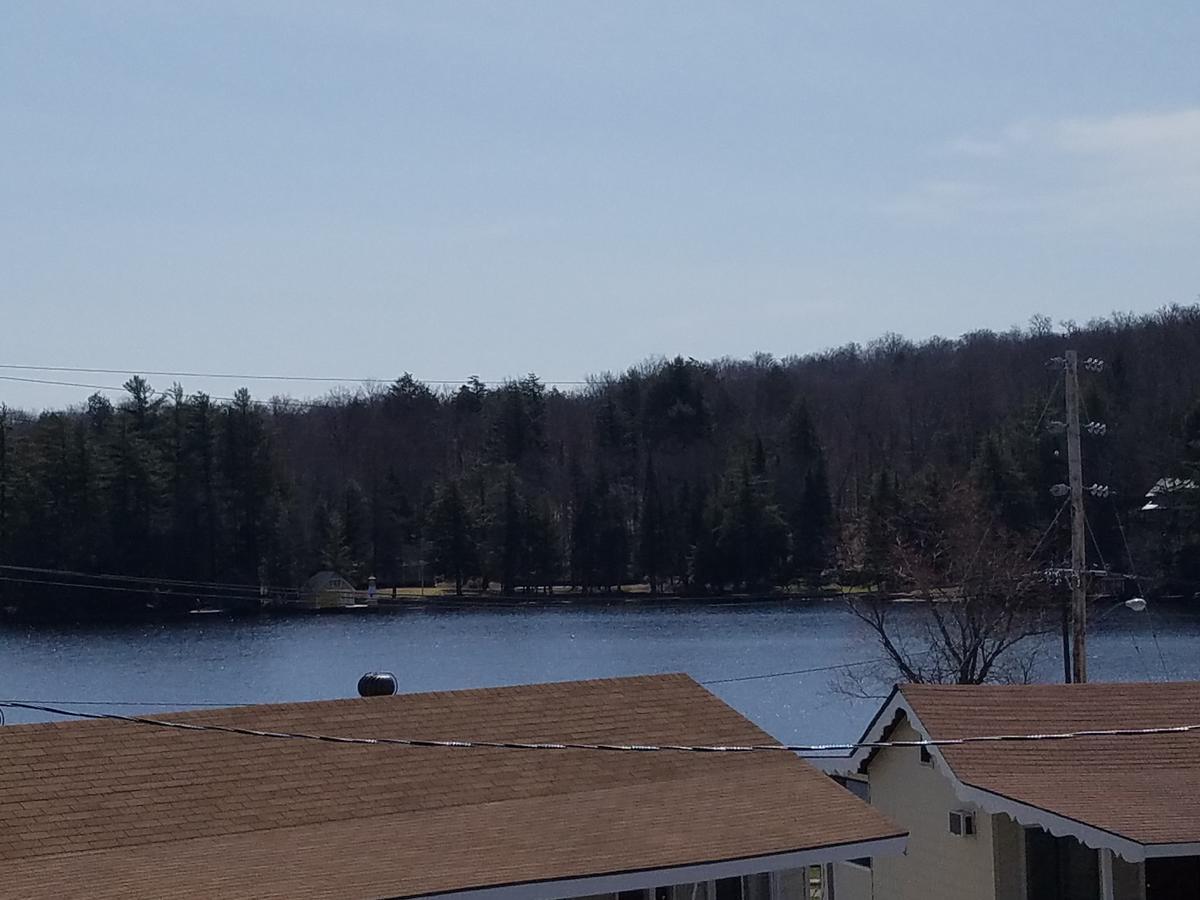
729,889
1059,868
860,789
1173,878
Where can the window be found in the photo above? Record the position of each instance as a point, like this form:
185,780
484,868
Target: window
658,893
1059,868
962,822
1172,878
926,756
859,787
729,889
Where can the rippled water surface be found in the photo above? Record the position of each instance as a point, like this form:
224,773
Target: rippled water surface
215,659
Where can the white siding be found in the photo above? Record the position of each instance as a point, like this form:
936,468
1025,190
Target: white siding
1009,838
789,886
851,882
938,864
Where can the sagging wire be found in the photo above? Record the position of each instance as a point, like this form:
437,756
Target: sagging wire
469,744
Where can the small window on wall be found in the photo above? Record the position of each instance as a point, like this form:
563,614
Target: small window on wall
728,889
926,756
962,822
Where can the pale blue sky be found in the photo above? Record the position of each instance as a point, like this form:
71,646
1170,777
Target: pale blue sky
454,188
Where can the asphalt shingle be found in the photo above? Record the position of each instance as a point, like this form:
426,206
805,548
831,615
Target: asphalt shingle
106,809
1145,788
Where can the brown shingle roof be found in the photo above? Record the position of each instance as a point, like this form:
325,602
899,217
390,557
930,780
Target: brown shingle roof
117,809
1143,788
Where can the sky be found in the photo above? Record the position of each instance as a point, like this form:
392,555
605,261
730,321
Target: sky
360,189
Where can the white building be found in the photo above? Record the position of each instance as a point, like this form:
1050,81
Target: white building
1086,818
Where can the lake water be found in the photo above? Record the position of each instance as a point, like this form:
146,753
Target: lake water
211,659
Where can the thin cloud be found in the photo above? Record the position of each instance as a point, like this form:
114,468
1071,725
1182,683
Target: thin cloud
1091,171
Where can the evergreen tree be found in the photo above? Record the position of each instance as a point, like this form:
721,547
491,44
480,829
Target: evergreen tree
813,527
451,533
506,536
879,534
540,550
751,535
802,483
356,519
1001,486
585,531
247,475
5,476
652,531
332,544
612,536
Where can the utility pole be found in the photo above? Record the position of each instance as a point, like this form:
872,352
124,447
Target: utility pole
1078,523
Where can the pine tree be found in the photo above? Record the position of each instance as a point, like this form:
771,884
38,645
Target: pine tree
751,535
5,476
451,534
878,538
652,528
803,486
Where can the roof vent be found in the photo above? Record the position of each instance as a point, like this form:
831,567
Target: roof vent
377,684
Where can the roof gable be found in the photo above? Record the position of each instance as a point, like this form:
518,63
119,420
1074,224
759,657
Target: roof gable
145,804
1138,795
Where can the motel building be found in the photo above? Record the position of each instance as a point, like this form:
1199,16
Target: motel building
1086,818
121,809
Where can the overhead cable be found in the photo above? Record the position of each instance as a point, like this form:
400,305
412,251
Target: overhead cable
236,376
142,579
469,744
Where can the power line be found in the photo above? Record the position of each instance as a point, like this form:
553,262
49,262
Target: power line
233,376
275,402
112,389
1049,529
177,704
180,704
1045,409
121,589
1153,628
613,747
831,668
142,579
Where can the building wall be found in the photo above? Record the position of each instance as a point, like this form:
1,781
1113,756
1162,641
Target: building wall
1008,857
788,885
1129,880
850,882
938,864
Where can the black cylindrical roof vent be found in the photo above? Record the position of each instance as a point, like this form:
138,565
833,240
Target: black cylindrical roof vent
377,684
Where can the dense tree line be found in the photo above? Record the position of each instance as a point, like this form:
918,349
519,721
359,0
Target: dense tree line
729,476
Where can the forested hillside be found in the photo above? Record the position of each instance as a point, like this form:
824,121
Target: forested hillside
733,475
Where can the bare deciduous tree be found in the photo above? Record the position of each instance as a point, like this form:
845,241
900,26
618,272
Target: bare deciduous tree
978,601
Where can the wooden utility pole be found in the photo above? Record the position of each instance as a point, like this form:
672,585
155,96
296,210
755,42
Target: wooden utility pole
1078,524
